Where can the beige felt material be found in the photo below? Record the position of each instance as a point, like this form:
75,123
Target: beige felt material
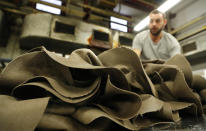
112,91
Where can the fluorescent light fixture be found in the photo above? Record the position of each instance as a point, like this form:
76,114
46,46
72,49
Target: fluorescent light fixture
117,20
163,8
168,5
142,24
122,26
50,9
118,27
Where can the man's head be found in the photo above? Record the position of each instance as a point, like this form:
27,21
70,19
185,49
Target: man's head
157,22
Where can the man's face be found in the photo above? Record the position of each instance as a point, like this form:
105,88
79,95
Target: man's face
157,24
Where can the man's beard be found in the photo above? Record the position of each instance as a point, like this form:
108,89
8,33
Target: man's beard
157,32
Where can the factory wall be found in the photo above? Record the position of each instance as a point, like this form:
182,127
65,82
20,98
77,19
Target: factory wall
187,13
194,9
11,50
61,33
9,37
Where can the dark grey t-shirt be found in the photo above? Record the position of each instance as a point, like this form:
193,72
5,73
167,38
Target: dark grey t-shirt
167,47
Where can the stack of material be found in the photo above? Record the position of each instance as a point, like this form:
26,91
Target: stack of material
114,90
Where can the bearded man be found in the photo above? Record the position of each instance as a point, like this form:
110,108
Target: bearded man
155,43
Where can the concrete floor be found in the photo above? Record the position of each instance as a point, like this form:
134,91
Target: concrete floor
186,124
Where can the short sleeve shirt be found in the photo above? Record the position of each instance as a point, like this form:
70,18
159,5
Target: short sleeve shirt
167,47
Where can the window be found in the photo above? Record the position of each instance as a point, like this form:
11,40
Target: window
118,24
189,47
102,36
125,41
64,28
49,9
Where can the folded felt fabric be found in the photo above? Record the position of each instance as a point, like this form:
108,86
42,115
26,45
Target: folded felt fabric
114,90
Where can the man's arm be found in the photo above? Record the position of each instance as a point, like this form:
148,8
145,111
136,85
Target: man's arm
176,48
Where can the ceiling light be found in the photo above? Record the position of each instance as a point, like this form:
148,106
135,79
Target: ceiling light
142,24
167,5
118,27
49,9
163,8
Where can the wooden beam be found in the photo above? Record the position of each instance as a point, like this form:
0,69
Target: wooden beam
108,2
106,13
64,9
136,4
69,11
148,3
4,3
14,11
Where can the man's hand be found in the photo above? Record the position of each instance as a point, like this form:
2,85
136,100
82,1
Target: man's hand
137,51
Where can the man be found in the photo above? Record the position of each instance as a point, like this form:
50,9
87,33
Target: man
156,43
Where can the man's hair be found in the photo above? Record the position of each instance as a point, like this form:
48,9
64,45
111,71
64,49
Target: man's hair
158,12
